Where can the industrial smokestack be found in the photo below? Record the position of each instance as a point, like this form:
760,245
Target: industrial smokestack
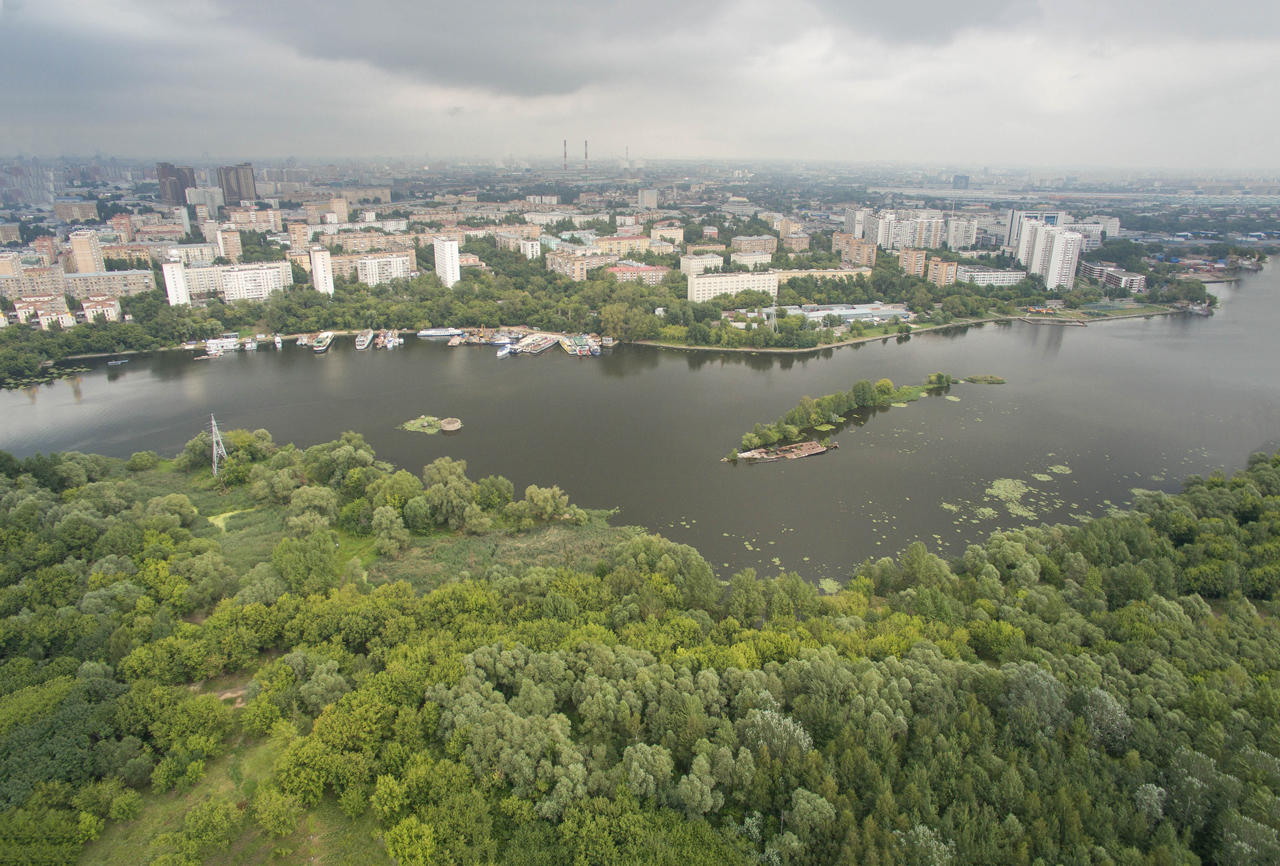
586,161
566,154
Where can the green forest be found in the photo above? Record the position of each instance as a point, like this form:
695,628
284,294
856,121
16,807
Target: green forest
320,657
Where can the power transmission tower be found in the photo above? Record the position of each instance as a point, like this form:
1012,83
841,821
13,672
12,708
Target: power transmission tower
219,450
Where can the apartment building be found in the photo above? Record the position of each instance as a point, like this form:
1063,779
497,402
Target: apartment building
86,252
245,282
942,272
697,263
446,255
912,261
755,244
575,266
381,268
704,287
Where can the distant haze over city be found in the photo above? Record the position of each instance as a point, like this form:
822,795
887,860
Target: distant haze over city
1170,85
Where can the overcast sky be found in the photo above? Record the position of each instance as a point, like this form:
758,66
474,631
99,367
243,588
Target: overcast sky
1164,84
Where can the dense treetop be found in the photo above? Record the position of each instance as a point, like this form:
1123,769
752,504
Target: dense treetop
473,677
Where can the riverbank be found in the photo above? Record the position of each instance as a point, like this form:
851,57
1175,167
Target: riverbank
915,331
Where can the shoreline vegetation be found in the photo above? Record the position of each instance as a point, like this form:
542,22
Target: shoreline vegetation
903,337
321,656
812,419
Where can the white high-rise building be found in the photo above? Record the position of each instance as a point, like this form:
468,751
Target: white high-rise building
175,284
1061,268
1018,218
380,268
322,270
855,222
1029,231
962,232
448,268
648,199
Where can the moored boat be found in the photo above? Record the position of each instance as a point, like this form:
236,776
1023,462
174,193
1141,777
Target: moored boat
279,342
427,333
504,351
322,342
250,345
117,362
363,339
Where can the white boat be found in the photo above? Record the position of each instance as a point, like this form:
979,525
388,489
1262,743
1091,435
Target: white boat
225,343
322,342
279,342
250,345
504,351
427,333
363,339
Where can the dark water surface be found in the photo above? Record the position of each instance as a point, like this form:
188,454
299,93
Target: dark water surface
1088,415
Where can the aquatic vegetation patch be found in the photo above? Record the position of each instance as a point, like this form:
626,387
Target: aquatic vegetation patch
1059,469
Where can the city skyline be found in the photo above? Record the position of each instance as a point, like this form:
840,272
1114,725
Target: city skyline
1180,87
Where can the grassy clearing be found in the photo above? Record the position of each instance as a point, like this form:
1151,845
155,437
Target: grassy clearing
444,556
250,536
325,835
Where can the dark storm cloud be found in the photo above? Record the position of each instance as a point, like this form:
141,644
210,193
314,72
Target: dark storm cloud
714,78
520,48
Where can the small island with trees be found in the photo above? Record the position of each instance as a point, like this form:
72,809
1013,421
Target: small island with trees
432,425
793,434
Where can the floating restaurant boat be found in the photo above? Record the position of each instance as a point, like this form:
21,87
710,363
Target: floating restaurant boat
363,339
428,333
322,342
226,343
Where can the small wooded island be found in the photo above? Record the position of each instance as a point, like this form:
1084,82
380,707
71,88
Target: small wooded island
816,417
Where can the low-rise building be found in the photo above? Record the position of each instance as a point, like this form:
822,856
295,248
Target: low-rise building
983,276
75,209
621,245
1118,278
756,244
251,219
635,272
576,267
117,284
47,310
194,254
796,242
697,263
102,307
675,235
750,260
704,287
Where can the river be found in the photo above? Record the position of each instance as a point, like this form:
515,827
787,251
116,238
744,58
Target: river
1088,415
